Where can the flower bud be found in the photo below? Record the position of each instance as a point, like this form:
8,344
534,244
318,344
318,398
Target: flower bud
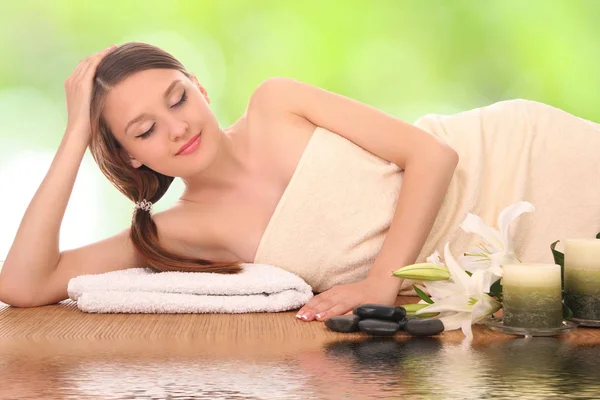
423,272
411,310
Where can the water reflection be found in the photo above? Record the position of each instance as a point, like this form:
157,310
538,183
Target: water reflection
536,368
545,367
372,368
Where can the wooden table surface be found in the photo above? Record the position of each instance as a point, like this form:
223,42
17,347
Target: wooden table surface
58,351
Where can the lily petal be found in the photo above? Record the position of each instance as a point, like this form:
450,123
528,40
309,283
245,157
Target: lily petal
484,307
454,321
459,276
458,303
508,215
474,224
467,330
480,283
434,258
441,289
472,263
499,259
475,286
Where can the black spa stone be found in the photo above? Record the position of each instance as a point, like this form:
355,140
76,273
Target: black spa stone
343,323
379,311
402,323
379,327
423,326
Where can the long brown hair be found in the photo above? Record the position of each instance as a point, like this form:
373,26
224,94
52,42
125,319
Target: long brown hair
139,183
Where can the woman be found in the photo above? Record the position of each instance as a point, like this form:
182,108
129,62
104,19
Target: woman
250,189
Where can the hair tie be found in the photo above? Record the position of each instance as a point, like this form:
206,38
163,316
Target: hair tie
144,205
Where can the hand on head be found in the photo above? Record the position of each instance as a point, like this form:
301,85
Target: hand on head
78,88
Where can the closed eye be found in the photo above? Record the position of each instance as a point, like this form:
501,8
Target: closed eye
149,131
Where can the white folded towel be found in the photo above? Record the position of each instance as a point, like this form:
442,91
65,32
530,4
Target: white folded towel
258,288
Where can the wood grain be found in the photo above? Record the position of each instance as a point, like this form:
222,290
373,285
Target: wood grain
55,351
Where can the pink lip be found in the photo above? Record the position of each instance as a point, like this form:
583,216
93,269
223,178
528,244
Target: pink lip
190,146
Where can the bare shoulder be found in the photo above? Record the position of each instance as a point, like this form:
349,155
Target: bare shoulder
267,101
275,126
188,232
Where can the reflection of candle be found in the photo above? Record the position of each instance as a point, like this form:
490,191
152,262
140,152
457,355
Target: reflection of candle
531,295
582,278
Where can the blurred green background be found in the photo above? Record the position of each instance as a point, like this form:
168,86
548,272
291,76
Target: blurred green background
408,58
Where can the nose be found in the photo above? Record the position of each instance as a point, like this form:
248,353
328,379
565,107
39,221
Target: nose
176,127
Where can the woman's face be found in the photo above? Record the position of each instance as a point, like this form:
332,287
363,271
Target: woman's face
169,116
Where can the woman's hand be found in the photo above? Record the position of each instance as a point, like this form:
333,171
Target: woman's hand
78,88
342,299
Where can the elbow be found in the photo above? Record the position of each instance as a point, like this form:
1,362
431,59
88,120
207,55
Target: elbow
447,157
453,156
16,301
20,301
449,154
15,298
442,156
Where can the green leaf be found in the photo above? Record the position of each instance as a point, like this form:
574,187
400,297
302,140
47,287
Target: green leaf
422,295
559,258
496,289
598,235
567,313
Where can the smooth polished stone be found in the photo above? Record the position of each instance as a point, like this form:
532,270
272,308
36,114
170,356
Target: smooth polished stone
343,323
423,326
379,327
403,322
379,311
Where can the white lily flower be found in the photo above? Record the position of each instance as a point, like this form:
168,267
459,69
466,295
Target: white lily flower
497,248
462,301
435,258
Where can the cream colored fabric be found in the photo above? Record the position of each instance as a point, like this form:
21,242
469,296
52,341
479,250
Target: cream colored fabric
519,150
332,218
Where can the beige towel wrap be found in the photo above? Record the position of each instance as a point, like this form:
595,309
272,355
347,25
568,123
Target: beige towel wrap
333,216
332,219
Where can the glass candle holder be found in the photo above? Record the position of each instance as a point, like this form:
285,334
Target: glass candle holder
532,295
582,278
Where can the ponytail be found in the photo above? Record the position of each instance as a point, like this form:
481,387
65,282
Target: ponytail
144,236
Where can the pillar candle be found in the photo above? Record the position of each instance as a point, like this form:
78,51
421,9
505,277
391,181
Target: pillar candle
532,295
582,278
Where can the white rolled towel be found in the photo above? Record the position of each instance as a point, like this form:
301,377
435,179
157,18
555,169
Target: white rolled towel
258,288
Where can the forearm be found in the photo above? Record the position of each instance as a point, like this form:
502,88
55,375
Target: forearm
425,183
35,249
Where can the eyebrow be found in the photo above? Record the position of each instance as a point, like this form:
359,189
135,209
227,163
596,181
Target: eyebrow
139,117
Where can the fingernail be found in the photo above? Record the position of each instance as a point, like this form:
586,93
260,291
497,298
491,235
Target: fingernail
318,316
298,316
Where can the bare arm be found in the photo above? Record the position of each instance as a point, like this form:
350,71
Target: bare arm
34,253
35,272
424,185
